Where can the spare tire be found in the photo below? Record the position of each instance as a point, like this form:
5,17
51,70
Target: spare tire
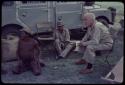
13,29
103,21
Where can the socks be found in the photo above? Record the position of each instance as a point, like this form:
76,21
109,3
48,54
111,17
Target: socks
89,66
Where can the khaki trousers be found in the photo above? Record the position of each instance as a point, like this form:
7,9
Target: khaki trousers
89,51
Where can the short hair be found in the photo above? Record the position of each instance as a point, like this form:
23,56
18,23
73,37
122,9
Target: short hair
91,15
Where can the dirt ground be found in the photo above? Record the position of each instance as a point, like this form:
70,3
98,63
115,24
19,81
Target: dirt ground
64,70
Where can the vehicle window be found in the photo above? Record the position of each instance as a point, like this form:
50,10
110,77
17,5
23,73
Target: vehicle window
34,3
28,2
66,2
89,3
7,3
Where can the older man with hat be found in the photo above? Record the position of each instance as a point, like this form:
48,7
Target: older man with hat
62,38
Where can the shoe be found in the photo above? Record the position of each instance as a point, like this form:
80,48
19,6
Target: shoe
86,71
82,61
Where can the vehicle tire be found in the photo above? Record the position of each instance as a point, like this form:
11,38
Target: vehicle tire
11,29
103,21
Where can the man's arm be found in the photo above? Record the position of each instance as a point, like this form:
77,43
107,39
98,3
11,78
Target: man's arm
67,36
84,38
95,38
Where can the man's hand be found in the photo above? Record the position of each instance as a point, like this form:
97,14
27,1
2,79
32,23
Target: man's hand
82,44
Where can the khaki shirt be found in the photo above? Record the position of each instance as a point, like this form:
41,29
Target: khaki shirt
64,36
98,34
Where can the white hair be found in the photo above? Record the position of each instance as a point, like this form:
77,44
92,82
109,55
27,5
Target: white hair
91,15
